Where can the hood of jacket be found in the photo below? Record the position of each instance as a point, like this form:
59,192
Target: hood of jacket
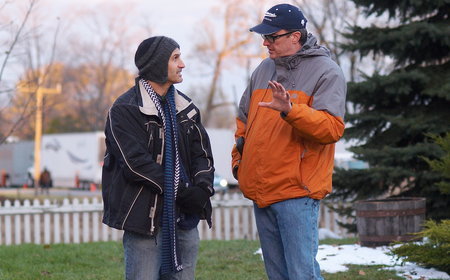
309,49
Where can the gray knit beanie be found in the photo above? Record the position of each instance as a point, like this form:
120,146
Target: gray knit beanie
152,58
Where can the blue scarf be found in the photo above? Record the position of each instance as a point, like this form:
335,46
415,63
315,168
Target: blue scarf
167,112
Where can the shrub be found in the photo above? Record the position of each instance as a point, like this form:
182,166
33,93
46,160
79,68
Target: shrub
434,251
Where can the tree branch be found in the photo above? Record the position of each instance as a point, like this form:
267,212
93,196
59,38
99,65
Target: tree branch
16,38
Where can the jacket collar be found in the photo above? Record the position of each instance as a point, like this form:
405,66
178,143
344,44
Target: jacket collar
149,108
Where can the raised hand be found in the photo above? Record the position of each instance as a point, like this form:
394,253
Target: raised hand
280,98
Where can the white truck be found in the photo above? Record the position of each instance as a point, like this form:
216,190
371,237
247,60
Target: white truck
222,141
76,159
73,159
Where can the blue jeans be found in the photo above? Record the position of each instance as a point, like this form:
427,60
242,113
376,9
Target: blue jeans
288,232
143,255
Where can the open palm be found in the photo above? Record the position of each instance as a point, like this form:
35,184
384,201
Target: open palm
280,98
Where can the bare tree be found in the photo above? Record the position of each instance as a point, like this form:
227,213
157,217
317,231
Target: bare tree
328,20
11,33
91,67
90,90
227,46
97,72
36,54
16,29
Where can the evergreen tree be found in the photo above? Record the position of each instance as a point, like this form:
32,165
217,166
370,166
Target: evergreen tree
442,165
395,112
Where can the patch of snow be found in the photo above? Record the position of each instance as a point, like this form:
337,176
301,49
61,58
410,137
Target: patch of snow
333,258
259,252
412,271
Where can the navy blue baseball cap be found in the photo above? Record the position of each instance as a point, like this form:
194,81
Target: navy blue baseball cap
282,16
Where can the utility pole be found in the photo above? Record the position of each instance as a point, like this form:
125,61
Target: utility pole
39,91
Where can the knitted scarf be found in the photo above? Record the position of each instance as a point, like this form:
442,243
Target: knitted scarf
167,112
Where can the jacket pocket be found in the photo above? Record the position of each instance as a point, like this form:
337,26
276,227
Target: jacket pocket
144,212
155,140
311,164
299,174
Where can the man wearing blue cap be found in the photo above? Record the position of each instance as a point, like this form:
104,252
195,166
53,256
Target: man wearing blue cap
289,118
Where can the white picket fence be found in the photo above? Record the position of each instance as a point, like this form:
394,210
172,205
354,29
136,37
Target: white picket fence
78,221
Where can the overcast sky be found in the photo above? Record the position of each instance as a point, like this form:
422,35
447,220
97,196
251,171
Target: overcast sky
178,19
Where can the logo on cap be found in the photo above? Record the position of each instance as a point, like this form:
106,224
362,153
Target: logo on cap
268,16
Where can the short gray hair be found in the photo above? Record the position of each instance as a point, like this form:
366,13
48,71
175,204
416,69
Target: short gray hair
304,34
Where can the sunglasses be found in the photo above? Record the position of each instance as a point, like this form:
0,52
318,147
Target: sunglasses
272,38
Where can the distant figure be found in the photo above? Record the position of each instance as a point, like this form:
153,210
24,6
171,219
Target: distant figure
3,178
7,180
30,180
45,181
77,181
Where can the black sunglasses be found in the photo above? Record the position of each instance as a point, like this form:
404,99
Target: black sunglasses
272,38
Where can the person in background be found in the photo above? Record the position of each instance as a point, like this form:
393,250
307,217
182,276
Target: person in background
45,181
30,180
4,177
158,168
289,118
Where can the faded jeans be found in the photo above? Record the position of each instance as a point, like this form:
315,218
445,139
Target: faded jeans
288,232
143,255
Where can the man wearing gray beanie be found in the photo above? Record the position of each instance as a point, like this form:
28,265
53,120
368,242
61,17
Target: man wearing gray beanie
152,57
158,168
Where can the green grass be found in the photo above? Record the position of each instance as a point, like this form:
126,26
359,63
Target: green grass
102,260
223,260
343,241
218,260
363,272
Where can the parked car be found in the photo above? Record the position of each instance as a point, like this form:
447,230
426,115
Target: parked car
220,184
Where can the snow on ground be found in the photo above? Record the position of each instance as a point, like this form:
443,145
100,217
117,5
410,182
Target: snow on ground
334,258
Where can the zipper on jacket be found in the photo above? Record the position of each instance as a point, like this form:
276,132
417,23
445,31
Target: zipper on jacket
301,170
131,207
152,215
204,151
150,140
305,187
161,134
303,153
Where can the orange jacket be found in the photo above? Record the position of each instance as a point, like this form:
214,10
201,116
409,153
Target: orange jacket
291,156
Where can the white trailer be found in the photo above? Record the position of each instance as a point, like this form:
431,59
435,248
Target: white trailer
73,159
222,141
69,156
